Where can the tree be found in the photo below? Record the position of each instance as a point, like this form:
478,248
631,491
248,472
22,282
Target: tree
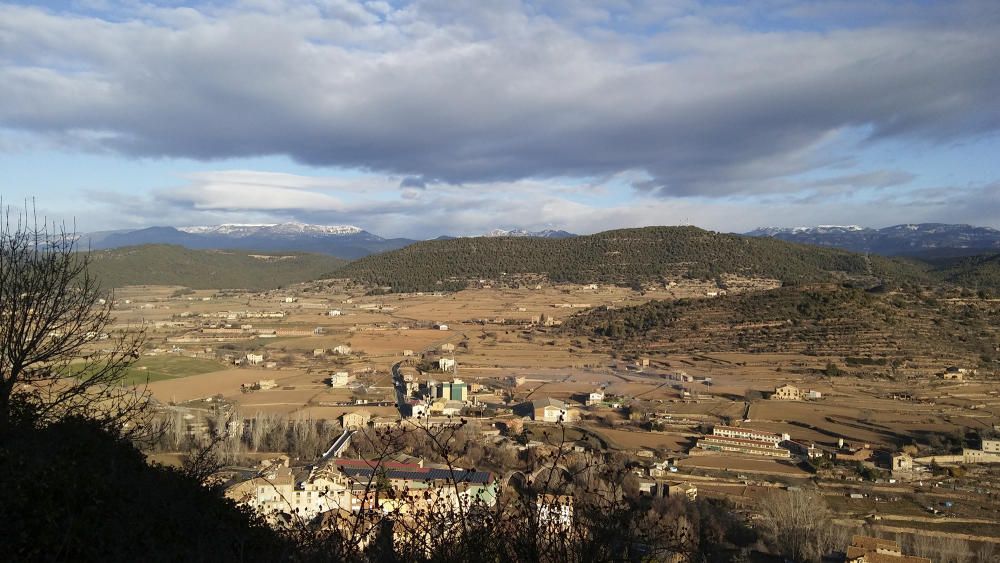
59,356
798,525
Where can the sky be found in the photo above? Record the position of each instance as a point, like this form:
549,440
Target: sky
455,117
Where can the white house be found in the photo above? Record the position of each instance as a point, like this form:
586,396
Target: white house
255,359
342,350
340,379
334,313
445,364
595,398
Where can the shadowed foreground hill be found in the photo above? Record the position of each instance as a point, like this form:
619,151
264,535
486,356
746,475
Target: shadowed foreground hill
621,256
73,492
159,264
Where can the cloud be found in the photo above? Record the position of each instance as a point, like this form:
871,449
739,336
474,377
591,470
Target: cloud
376,203
699,100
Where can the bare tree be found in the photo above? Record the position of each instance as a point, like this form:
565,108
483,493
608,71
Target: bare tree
59,355
798,524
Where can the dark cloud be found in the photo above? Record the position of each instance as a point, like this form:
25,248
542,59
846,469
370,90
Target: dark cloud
501,91
413,182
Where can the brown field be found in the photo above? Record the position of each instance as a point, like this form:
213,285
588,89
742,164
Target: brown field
393,342
215,383
745,464
632,440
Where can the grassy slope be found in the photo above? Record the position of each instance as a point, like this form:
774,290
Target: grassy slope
206,269
619,256
158,368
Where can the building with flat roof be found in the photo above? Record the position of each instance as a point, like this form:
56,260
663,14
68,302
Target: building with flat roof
867,549
732,439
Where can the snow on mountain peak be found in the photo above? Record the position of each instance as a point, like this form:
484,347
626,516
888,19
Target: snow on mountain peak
247,229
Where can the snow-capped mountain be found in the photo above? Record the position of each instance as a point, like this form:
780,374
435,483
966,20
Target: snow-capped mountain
293,228
925,239
819,229
547,233
344,241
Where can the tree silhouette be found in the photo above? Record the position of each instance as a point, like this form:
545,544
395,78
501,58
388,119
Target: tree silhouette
59,355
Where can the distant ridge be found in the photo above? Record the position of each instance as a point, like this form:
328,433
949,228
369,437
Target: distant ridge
913,239
625,256
160,264
547,233
343,241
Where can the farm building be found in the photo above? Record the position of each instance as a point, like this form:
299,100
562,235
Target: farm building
545,410
787,393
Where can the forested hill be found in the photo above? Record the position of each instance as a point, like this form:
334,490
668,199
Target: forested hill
159,264
821,320
619,256
974,272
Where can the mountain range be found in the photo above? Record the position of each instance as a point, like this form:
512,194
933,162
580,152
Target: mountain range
921,240
344,241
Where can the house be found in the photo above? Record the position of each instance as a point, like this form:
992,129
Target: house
787,393
813,395
407,353
867,549
447,347
415,487
595,398
417,409
290,300
339,379
255,359
445,364
334,313
356,419
545,410
442,326
318,352
342,350
276,492
901,463
686,491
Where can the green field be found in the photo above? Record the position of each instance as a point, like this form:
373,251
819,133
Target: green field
158,368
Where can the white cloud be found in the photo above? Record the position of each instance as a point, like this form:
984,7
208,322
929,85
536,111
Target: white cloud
687,94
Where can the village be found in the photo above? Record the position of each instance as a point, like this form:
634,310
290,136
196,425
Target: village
491,360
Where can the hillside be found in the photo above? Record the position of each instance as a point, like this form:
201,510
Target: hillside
822,320
648,254
974,272
206,269
103,502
